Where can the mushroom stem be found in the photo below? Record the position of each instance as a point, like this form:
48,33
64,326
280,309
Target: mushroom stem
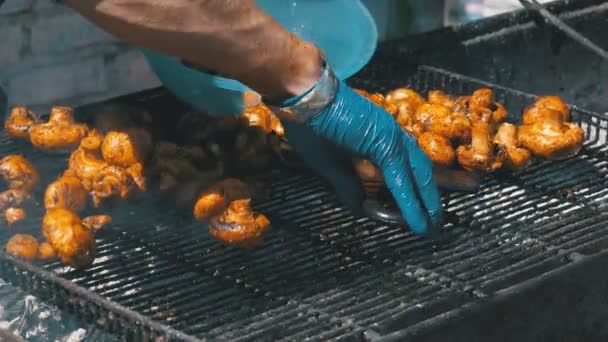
480,140
552,122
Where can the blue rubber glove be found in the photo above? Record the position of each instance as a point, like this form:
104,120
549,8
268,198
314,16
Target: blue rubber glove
355,124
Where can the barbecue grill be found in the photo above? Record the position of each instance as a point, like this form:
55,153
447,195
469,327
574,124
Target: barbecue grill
517,260
323,273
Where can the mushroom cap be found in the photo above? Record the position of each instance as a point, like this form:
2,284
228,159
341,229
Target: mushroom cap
23,246
14,215
407,95
536,111
125,148
482,97
238,224
18,172
19,122
439,97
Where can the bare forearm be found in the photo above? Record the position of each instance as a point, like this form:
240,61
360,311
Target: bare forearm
233,37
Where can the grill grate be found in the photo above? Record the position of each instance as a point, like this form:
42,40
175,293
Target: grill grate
322,273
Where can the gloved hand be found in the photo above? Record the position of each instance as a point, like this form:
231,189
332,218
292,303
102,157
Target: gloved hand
353,123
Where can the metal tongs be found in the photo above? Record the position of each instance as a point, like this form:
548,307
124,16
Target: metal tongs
535,6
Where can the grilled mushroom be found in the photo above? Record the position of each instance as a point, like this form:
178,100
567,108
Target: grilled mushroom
19,122
101,179
18,172
552,138
14,215
128,150
61,133
23,246
218,196
73,243
238,224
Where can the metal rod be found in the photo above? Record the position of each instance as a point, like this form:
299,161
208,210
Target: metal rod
536,6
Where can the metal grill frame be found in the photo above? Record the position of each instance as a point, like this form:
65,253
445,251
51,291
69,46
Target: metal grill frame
131,325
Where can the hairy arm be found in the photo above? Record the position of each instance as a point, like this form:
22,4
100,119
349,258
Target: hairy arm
232,37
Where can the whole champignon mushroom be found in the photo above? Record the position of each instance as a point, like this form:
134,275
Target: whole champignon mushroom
86,162
19,122
73,243
23,246
438,148
128,150
101,179
238,224
550,137
480,154
506,138
125,148
18,172
61,133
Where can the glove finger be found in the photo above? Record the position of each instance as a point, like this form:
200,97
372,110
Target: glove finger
324,159
399,180
422,171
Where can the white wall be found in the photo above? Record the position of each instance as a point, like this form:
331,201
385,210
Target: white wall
50,55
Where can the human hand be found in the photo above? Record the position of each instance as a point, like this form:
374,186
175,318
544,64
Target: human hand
354,124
